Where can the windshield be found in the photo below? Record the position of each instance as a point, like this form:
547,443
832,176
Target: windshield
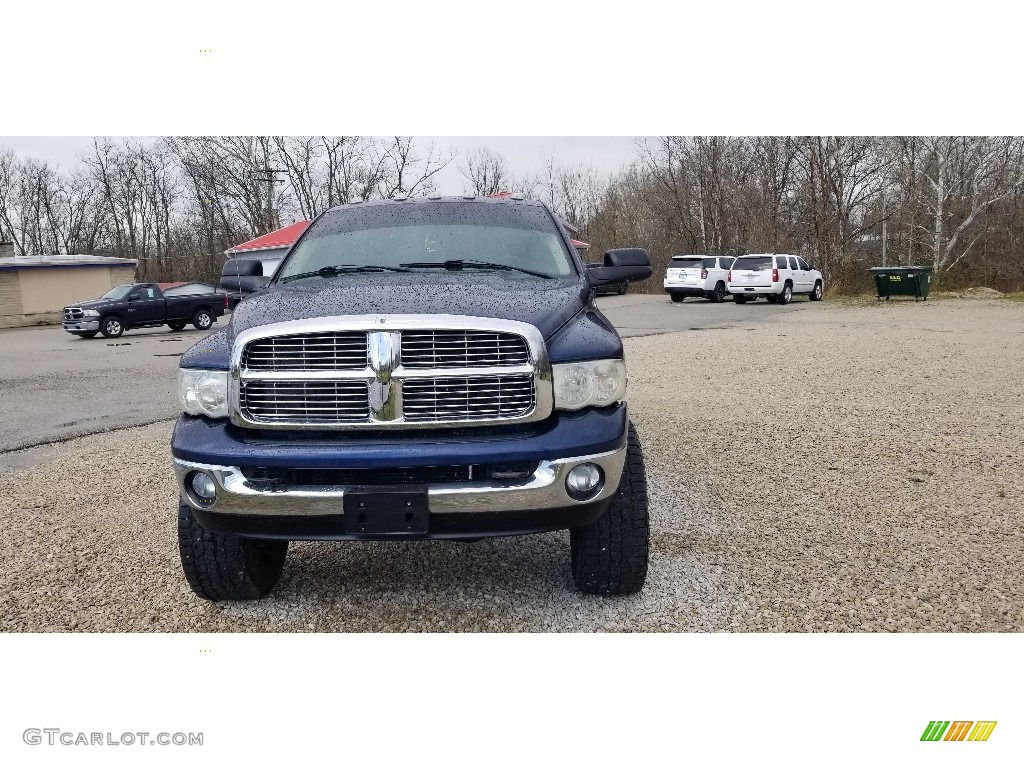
686,262
118,292
753,262
522,237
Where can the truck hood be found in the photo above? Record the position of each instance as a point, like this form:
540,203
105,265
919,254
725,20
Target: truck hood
97,304
546,304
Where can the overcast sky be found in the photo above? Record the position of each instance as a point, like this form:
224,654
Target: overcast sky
523,154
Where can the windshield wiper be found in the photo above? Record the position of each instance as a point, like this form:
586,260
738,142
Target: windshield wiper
342,269
457,264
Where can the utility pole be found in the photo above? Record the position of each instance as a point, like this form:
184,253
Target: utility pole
268,178
884,228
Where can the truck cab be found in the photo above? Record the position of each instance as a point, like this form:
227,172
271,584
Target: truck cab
428,368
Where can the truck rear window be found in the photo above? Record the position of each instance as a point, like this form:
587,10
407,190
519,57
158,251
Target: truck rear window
389,235
753,262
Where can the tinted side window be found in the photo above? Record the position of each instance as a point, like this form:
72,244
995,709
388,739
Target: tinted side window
792,263
803,264
781,263
709,263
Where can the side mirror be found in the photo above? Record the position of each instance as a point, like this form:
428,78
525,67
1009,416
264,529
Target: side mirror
621,265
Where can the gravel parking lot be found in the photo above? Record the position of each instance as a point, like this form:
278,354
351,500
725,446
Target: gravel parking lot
842,466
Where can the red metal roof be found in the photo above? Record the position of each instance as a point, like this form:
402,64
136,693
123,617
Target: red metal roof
580,244
279,238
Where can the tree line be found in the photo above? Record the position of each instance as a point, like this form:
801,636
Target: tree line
955,203
845,203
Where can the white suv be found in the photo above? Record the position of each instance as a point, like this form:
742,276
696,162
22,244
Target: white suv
775,276
704,276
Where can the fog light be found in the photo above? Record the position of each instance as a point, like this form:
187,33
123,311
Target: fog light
204,487
583,481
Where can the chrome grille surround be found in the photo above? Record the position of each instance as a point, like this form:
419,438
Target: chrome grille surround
73,313
499,385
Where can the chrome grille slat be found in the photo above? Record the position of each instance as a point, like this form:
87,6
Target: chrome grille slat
343,402
468,348
482,397
335,350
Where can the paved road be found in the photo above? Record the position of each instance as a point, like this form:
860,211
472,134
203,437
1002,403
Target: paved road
54,386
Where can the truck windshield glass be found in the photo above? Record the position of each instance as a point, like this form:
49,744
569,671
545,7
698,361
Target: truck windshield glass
117,292
519,236
753,262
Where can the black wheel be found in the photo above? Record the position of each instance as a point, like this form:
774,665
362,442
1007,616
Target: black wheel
677,297
739,299
111,327
609,555
786,296
176,326
222,567
718,295
623,289
817,293
202,319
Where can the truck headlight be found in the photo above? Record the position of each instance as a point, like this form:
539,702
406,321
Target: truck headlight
90,313
203,393
594,382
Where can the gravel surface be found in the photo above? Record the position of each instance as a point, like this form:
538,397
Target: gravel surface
840,467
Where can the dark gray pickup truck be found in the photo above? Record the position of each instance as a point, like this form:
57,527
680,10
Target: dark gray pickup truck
145,305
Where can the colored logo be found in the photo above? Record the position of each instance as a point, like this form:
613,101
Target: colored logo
958,730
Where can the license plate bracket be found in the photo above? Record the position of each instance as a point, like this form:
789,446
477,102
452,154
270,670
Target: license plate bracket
383,511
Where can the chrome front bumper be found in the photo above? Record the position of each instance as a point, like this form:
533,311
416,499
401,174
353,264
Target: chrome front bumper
81,325
544,490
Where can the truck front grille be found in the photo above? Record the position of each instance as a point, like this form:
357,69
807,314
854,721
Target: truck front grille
462,349
73,313
467,398
346,377
333,351
311,402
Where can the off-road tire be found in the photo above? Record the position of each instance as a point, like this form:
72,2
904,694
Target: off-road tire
202,319
609,555
176,326
677,297
718,295
222,567
786,296
816,294
112,327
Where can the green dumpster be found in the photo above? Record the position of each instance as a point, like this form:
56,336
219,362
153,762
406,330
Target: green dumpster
902,281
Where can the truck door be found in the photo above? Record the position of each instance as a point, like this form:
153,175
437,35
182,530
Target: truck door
145,306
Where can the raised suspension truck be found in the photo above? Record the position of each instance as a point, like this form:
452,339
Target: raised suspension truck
429,368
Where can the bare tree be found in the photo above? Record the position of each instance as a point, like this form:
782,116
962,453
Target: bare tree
485,171
965,176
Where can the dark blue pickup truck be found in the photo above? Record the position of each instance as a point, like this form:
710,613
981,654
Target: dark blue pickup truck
429,368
